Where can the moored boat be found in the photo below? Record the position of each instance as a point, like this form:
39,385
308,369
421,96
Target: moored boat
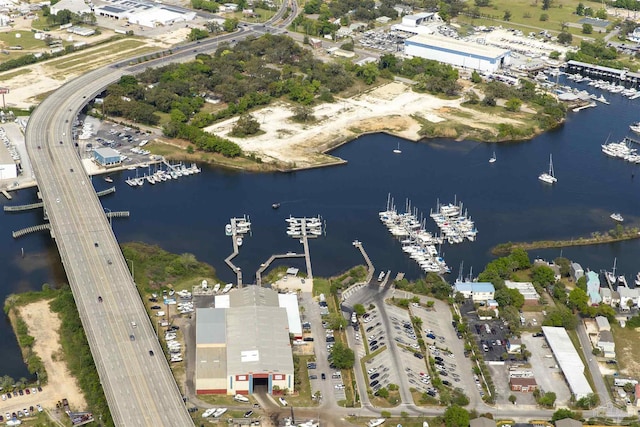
616,217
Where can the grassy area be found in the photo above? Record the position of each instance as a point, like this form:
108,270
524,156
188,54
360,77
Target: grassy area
303,389
99,54
23,38
627,346
175,152
321,286
263,15
11,74
525,15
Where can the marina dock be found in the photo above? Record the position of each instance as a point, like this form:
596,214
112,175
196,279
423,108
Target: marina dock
370,271
20,208
272,258
236,229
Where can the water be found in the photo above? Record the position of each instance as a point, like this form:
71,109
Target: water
505,199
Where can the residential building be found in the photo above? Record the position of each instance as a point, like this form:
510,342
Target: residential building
526,289
477,291
603,324
593,288
576,271
523,384
606,344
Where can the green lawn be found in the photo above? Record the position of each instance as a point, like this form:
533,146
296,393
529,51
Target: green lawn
26,39
525,16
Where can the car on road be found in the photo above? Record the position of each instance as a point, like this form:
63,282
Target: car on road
283,402
248,414
150,352
374,376
418,355
39,406
323,376
132,337
313,377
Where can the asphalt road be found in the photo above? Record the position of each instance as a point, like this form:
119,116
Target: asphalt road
136,378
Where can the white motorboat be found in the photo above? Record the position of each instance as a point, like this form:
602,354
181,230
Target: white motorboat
397,150
376,422
616,217
227,288
216,288
637,281
548,177
227,229
239,241
635,127
219,412
493,158
622,281
108,179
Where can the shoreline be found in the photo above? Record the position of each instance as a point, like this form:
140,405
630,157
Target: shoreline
504,249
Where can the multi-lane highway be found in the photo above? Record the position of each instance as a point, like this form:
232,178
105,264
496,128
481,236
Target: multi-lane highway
134,373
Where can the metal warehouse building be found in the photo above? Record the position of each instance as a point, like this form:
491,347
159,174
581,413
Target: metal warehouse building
244,345
457,53
107,157
569,360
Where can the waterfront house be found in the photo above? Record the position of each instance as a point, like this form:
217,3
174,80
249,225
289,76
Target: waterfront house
593,288
477,291
576,271
606,344
628,297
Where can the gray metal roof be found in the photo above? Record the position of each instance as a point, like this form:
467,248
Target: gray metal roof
253,296
258,340
211,362
210,326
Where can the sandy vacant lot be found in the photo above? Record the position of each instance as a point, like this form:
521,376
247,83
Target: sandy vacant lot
387,108
44,326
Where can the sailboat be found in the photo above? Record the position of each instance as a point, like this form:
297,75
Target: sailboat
397,150
493,158
548,177
108,179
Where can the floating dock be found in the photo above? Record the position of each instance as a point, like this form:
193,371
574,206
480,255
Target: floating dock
236,229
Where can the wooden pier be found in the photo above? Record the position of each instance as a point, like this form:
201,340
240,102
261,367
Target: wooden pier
21,208
272,258
235,234
6,194
370,269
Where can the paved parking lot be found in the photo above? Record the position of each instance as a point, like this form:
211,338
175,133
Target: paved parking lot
547,375
446,348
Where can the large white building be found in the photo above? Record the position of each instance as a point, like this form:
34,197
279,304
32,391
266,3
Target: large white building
144,13
8,168
243,345
569,360
457,53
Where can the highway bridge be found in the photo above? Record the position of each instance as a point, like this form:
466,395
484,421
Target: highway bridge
134,373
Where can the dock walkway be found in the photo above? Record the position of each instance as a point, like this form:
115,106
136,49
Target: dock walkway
272,258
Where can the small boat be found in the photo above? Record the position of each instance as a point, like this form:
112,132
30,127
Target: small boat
635,127
548,177
616,217
622,281
493,158
239,241
275,205
216,288
637,281
219,412
602,99
397,150
108,179
376,422
227,229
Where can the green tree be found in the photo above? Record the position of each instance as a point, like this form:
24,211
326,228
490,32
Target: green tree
601,13
563,413
342,356
456,416
368,72
359,309
383,393
512,398
482,3
546,4
587,28
507,15
580,9
562,262
565,37
544,17
543,275
245,125
230,24
475,77
578,299
197,34
521,258
560,316
513,105
548,400
336,321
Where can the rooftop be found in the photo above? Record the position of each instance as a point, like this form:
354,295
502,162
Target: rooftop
568,359
210,326
457,46
253,295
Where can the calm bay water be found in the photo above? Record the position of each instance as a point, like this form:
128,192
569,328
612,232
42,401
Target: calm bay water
505,199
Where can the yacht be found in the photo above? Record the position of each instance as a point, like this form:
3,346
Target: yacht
108,179
493,158
239,241
602,99
219,412
208,412
548,177
622,281
275,205
376,422
635,127
227,288
637,281
227,229
616,217
216,288
397,150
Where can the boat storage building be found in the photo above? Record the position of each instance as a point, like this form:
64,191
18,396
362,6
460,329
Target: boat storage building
244,345
569,361
457,53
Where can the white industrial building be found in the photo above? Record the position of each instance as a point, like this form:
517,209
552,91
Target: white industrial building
8,168
144,13
526,289
75,6
458,53
243,346
569,361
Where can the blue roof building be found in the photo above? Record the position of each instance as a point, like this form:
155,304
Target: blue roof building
593,288
107,157
477,291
